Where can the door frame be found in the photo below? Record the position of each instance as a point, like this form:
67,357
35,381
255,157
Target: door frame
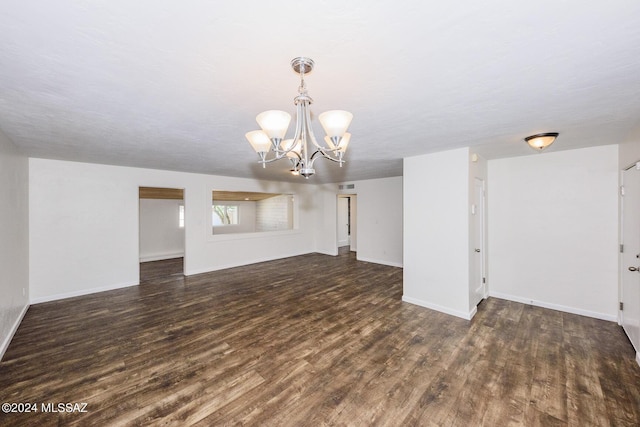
479,211
343,215
353,223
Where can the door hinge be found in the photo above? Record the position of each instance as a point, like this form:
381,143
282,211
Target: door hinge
622,190
484,280
621,248
621,306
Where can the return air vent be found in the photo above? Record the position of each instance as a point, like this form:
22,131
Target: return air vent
346,186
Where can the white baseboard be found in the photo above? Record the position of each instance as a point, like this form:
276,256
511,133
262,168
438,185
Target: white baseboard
473,312
160,257
557,307
81,292
12,331
379,261
442,309
638,358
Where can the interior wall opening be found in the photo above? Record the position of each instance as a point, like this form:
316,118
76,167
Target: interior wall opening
346,223
161,232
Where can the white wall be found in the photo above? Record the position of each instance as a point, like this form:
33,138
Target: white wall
161,237
553,227
378,208
436,231
14,240
326,219
628,153
246,218
83,229
84,225
379,220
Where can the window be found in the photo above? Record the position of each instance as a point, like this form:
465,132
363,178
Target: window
225,215
181,216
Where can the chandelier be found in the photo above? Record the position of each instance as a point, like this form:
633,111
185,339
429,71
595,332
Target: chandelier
270,144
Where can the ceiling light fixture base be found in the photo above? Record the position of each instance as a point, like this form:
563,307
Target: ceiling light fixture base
302,65
541,141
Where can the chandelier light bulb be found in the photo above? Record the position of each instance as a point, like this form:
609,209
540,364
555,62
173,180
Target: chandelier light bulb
292,151
274,123
335,122
259,141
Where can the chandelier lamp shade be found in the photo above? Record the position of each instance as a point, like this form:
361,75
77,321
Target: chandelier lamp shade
541,141
303,149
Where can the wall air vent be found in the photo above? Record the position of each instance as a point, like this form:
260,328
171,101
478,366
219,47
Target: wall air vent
346,186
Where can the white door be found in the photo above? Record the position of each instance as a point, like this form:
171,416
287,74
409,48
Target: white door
630,275
343,221
477,211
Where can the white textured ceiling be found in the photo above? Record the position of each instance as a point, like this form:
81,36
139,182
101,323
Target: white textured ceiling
176,84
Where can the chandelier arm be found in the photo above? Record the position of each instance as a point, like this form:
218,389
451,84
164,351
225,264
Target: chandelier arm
275,147
302,134
265,160
281,154
298,132
307,122
324,155
295,164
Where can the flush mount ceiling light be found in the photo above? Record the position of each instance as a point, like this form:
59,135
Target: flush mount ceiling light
541,141
274,126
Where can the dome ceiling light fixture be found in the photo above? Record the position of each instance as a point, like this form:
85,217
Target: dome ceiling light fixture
541,141
274,126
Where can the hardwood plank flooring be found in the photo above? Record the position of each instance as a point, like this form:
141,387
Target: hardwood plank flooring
158,269
311,340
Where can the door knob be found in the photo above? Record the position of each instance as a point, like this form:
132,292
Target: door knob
634,269
477,250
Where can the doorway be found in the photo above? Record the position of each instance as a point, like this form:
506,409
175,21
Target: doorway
630,256
161,232
346,222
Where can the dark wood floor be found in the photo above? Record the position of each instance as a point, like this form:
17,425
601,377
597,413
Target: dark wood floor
160,269
313,340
